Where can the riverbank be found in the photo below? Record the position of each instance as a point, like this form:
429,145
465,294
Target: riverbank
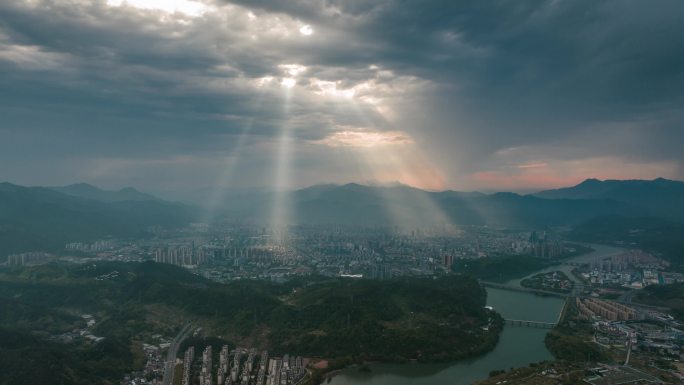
334,367
555,281
567,265
518,346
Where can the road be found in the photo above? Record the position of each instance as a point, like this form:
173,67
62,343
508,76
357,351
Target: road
173,353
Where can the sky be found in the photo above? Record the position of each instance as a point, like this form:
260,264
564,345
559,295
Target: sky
183,95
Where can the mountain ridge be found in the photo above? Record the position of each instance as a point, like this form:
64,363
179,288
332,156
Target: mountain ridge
355,204
39,218
85,190
659,196
34,218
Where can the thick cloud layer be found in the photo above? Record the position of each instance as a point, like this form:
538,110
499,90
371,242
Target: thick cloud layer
182,94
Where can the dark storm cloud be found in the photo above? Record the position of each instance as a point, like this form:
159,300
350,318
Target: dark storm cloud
584,47
468,80
603,58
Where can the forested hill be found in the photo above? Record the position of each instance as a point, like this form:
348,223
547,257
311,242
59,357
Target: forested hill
394,320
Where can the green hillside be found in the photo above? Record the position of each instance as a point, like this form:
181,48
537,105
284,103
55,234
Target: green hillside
424,319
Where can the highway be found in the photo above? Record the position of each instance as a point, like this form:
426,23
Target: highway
172,353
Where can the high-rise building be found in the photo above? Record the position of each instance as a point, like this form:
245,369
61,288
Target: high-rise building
187,365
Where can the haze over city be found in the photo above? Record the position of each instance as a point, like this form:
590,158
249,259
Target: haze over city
348,192
175,96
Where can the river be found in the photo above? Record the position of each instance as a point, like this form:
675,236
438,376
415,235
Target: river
518,345
600,251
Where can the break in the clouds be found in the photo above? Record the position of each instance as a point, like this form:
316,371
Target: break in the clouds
185,94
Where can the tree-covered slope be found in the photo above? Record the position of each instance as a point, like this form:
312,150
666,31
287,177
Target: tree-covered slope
403,319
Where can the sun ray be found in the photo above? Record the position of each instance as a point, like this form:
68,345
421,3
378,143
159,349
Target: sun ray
281,213
414,207
230,164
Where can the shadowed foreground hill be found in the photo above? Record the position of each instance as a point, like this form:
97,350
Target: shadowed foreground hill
424,319
389,320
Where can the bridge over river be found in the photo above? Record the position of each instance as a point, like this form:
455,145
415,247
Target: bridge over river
515,321
577,292
532,324
518,345
525,289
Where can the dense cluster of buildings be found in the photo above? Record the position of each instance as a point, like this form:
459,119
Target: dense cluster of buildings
234,252
544,246
656,335
618,326
629,260
633,269
184,255
27,259
594,308
227,252
97,246
241,367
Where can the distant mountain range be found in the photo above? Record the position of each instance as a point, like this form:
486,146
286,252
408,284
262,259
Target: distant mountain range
660,196
40,218
45,218
84,190
403,206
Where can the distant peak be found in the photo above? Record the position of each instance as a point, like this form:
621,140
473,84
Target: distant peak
82,185
505,194
395,183
355,187
8,185
591,181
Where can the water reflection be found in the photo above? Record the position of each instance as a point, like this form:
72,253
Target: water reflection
518,346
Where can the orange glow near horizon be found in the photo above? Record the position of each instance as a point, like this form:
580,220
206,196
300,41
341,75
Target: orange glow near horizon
550,175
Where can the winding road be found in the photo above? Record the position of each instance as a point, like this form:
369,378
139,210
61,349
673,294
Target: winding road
171,355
